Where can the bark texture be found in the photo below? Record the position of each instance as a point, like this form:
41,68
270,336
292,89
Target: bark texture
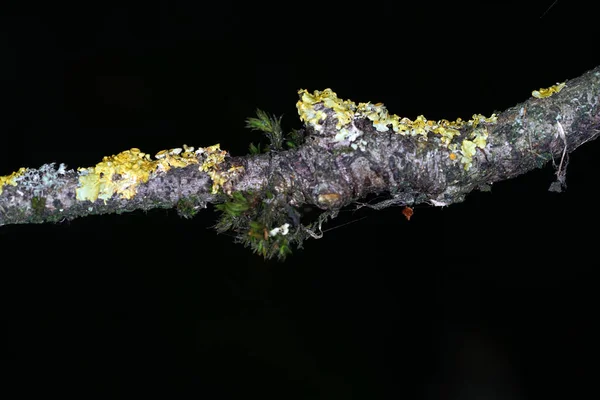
322,173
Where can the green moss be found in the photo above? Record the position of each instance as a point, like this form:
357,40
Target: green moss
294,139
263,222
236,205
188,207
254,149
54,218
342,150
270,126
38,204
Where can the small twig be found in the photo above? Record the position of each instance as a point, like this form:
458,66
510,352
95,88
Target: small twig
382,204
548,9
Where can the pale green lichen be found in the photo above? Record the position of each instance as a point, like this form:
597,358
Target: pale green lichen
467,150
36,181
312,109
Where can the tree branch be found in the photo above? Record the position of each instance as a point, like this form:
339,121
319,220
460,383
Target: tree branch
346,153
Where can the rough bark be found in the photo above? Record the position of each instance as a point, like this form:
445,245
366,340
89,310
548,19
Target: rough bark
319,172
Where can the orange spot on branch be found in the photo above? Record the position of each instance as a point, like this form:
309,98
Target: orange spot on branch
407,212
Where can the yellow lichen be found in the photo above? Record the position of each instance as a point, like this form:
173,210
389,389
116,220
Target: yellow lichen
312,110
480,137
478,118
10,179
547,92
344,109
121,174
446,132
214,157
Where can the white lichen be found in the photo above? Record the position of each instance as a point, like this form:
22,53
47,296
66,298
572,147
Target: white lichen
38,181
280,230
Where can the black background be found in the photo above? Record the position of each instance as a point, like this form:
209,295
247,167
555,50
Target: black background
490,297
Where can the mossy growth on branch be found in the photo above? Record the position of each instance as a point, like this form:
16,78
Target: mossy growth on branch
270,125
253,218
188,207
38,203
262,220
266,223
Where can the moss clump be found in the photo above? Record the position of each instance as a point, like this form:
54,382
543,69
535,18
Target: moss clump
188,207
266,222
270,126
